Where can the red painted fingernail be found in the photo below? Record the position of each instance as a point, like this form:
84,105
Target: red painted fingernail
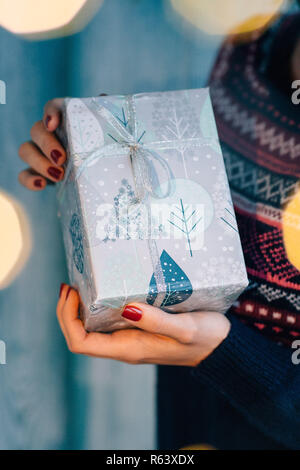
47,120
54,172
132,313
69,290
61,288
38,183
55,155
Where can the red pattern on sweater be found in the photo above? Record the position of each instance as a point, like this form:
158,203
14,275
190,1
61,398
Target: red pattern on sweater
260,126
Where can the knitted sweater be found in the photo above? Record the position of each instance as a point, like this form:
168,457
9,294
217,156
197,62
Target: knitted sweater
260,132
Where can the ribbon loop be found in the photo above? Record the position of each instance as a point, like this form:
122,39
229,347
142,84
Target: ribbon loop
124,142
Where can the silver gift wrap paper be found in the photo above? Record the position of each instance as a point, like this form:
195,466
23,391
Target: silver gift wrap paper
145,206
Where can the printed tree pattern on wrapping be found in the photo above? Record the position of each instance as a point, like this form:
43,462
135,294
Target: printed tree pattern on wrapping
129,220
86,133
122,223
76,236
123,120
121,201
127,225
229,217
179,287
185,220
175,119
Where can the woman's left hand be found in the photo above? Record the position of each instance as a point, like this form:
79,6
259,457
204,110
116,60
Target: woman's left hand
183,339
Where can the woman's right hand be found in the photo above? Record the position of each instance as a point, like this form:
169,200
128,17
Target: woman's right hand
44,154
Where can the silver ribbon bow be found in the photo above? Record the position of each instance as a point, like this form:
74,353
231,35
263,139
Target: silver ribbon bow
124,142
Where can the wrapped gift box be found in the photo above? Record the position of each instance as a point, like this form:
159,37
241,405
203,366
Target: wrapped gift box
145,206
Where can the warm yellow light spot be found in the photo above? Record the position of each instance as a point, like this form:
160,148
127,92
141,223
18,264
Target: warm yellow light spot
291,230
198,447
228,16
46,18
15,240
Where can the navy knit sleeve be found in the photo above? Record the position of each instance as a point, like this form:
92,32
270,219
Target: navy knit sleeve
258,378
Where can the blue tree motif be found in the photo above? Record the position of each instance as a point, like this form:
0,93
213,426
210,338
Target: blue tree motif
123,120
77,242
229,217
122,200
185,220
179,287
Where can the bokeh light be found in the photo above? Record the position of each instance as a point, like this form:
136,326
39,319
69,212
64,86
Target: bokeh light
15,239
222,17
291,230
198,447
40,19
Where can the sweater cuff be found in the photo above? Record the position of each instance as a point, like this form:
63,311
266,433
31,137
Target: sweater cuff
246,367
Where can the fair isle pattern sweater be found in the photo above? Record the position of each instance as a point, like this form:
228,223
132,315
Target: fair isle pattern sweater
259,128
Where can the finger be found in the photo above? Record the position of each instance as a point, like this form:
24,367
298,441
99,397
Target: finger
124,345
79,341
63,292
113,346
71,326
70,322
180,326
30,154
52,114
48,143
32,180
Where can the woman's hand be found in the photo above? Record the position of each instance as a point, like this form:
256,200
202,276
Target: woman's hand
183,339
44,154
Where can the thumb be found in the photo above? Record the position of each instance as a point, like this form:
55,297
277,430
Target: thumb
179,326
